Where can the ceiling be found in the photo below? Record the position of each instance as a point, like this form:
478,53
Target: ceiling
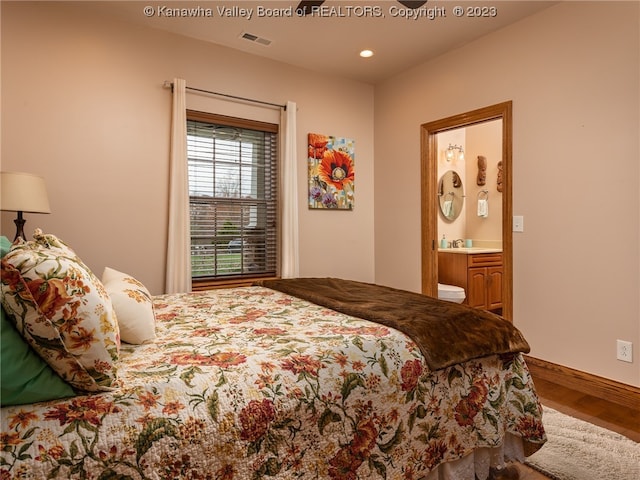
330,40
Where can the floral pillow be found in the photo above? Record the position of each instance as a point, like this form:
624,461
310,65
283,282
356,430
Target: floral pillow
133,305
63,311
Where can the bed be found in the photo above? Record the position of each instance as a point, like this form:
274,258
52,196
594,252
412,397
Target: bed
260,382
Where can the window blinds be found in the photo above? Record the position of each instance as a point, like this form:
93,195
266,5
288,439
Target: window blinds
233,197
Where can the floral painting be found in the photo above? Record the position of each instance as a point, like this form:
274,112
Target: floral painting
331,172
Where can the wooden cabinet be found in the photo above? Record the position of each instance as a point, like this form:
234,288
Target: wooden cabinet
480,274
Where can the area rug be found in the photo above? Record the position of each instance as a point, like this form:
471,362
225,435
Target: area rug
578,450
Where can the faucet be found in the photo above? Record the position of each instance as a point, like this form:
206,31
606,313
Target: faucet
457,243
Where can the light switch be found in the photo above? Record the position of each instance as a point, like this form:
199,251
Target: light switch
518,223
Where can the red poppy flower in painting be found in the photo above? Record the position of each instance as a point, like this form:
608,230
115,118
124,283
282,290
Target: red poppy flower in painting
336,168
317,145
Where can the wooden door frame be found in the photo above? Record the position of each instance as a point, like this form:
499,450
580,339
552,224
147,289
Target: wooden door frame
429,189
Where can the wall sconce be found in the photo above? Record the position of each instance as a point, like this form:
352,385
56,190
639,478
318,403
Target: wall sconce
22,192
451,152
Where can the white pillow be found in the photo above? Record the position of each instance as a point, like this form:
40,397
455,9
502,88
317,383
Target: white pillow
133,306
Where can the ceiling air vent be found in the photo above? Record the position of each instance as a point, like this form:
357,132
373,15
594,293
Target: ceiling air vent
254,38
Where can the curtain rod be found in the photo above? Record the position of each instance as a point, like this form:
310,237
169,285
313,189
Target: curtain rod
168,84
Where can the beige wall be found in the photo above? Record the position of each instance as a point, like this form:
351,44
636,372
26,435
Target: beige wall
83,105
572,72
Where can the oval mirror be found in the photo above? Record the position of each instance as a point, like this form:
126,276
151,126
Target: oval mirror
451,193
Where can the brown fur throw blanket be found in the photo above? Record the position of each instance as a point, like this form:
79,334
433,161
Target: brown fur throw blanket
447,333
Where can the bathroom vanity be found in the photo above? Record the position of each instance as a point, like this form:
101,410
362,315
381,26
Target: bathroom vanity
478,270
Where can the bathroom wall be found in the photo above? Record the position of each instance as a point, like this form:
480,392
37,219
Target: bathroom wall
453,230
481,139
484,139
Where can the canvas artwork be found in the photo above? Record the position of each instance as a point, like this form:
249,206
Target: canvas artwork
331,172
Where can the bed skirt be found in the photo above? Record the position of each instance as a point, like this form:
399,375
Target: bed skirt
478,463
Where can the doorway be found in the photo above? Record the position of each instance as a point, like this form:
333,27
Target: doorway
430,199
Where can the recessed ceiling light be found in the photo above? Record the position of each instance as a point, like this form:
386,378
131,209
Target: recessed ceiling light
366,53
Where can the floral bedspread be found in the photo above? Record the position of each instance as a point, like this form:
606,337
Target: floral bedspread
249,383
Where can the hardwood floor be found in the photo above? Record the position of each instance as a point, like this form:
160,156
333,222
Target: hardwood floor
612,416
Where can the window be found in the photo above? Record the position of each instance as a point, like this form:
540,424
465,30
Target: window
232,197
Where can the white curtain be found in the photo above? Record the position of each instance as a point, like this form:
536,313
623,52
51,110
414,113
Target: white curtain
178,276
289,210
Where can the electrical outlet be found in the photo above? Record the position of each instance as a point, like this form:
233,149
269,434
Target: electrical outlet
625,351
518,223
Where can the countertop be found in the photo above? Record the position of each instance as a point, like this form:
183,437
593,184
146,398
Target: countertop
469,250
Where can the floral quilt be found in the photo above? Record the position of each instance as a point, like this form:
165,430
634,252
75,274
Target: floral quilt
250,383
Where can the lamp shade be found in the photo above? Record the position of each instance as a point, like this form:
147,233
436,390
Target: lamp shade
23,192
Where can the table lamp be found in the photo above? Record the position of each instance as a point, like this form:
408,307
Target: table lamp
22,192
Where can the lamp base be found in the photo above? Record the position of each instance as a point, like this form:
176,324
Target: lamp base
19,227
